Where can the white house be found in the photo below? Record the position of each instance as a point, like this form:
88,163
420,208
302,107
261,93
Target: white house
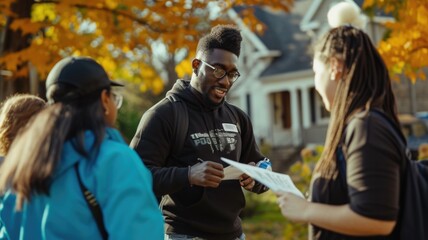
276,87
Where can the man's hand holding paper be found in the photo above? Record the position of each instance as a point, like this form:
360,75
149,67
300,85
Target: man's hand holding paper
277,182
232,173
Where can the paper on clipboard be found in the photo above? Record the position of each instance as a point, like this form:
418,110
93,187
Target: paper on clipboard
277,182
232,173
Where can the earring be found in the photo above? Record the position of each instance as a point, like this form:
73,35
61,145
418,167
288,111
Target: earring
106,112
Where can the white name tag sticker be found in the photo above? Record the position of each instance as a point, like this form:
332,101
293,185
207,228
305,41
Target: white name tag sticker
229,127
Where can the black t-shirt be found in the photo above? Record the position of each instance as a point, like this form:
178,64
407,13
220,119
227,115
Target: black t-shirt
373,163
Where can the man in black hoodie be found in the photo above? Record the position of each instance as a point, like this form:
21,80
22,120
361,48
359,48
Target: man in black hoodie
196,203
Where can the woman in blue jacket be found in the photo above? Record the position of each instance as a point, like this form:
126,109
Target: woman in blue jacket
70,148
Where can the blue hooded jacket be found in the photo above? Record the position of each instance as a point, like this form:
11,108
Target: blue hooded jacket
117,178
3,233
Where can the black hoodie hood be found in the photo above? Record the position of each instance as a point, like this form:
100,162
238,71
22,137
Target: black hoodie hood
192,97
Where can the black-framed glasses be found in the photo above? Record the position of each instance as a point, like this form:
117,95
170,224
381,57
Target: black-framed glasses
118,99
220,73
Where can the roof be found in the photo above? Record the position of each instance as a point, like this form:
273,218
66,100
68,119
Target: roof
283,34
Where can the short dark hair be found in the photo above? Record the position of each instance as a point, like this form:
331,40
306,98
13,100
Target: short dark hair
226,37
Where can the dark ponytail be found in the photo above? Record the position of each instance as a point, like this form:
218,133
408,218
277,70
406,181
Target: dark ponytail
36,151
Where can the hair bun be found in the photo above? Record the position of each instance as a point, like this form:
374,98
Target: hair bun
346,12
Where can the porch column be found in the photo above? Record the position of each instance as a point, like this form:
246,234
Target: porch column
260,112
306,108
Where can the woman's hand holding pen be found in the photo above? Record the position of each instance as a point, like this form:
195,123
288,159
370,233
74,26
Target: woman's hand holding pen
206,174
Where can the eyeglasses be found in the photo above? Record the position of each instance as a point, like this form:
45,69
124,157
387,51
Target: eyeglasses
220,73
118,99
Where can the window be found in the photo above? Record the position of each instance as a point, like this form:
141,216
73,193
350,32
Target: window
281,109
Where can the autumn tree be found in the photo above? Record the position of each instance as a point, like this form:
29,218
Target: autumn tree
15,41
405,48
123,35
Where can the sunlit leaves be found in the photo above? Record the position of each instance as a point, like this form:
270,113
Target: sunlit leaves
184,68
5,9
43,12
405,51
3,20
117,32
26,26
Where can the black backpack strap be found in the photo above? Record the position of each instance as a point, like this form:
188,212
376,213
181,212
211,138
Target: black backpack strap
397,134
181,118
92,204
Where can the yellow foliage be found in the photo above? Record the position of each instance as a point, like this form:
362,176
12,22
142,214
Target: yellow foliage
112,4
368,3
26,26
143,88
422,15
406,49
157,86
3,20
116,32
184,68
43,12
108,63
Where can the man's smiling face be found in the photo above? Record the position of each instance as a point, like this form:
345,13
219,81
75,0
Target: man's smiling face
207,84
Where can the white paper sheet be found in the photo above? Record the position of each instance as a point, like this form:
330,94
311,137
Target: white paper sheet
277,182
232,173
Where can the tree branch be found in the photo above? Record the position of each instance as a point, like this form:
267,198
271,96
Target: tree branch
115,11
418,49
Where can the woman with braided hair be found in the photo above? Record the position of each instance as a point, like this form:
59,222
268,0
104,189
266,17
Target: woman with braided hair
355,188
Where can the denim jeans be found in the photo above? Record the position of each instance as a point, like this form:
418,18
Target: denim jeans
174,236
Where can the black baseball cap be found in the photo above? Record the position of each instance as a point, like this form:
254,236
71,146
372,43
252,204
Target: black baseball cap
83,73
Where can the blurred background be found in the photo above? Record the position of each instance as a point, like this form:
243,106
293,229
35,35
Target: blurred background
148,44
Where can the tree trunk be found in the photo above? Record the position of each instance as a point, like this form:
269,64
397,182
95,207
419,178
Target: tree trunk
172,76
15,40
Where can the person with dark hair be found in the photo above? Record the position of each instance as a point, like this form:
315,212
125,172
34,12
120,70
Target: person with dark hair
196,203
355,188
69,174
